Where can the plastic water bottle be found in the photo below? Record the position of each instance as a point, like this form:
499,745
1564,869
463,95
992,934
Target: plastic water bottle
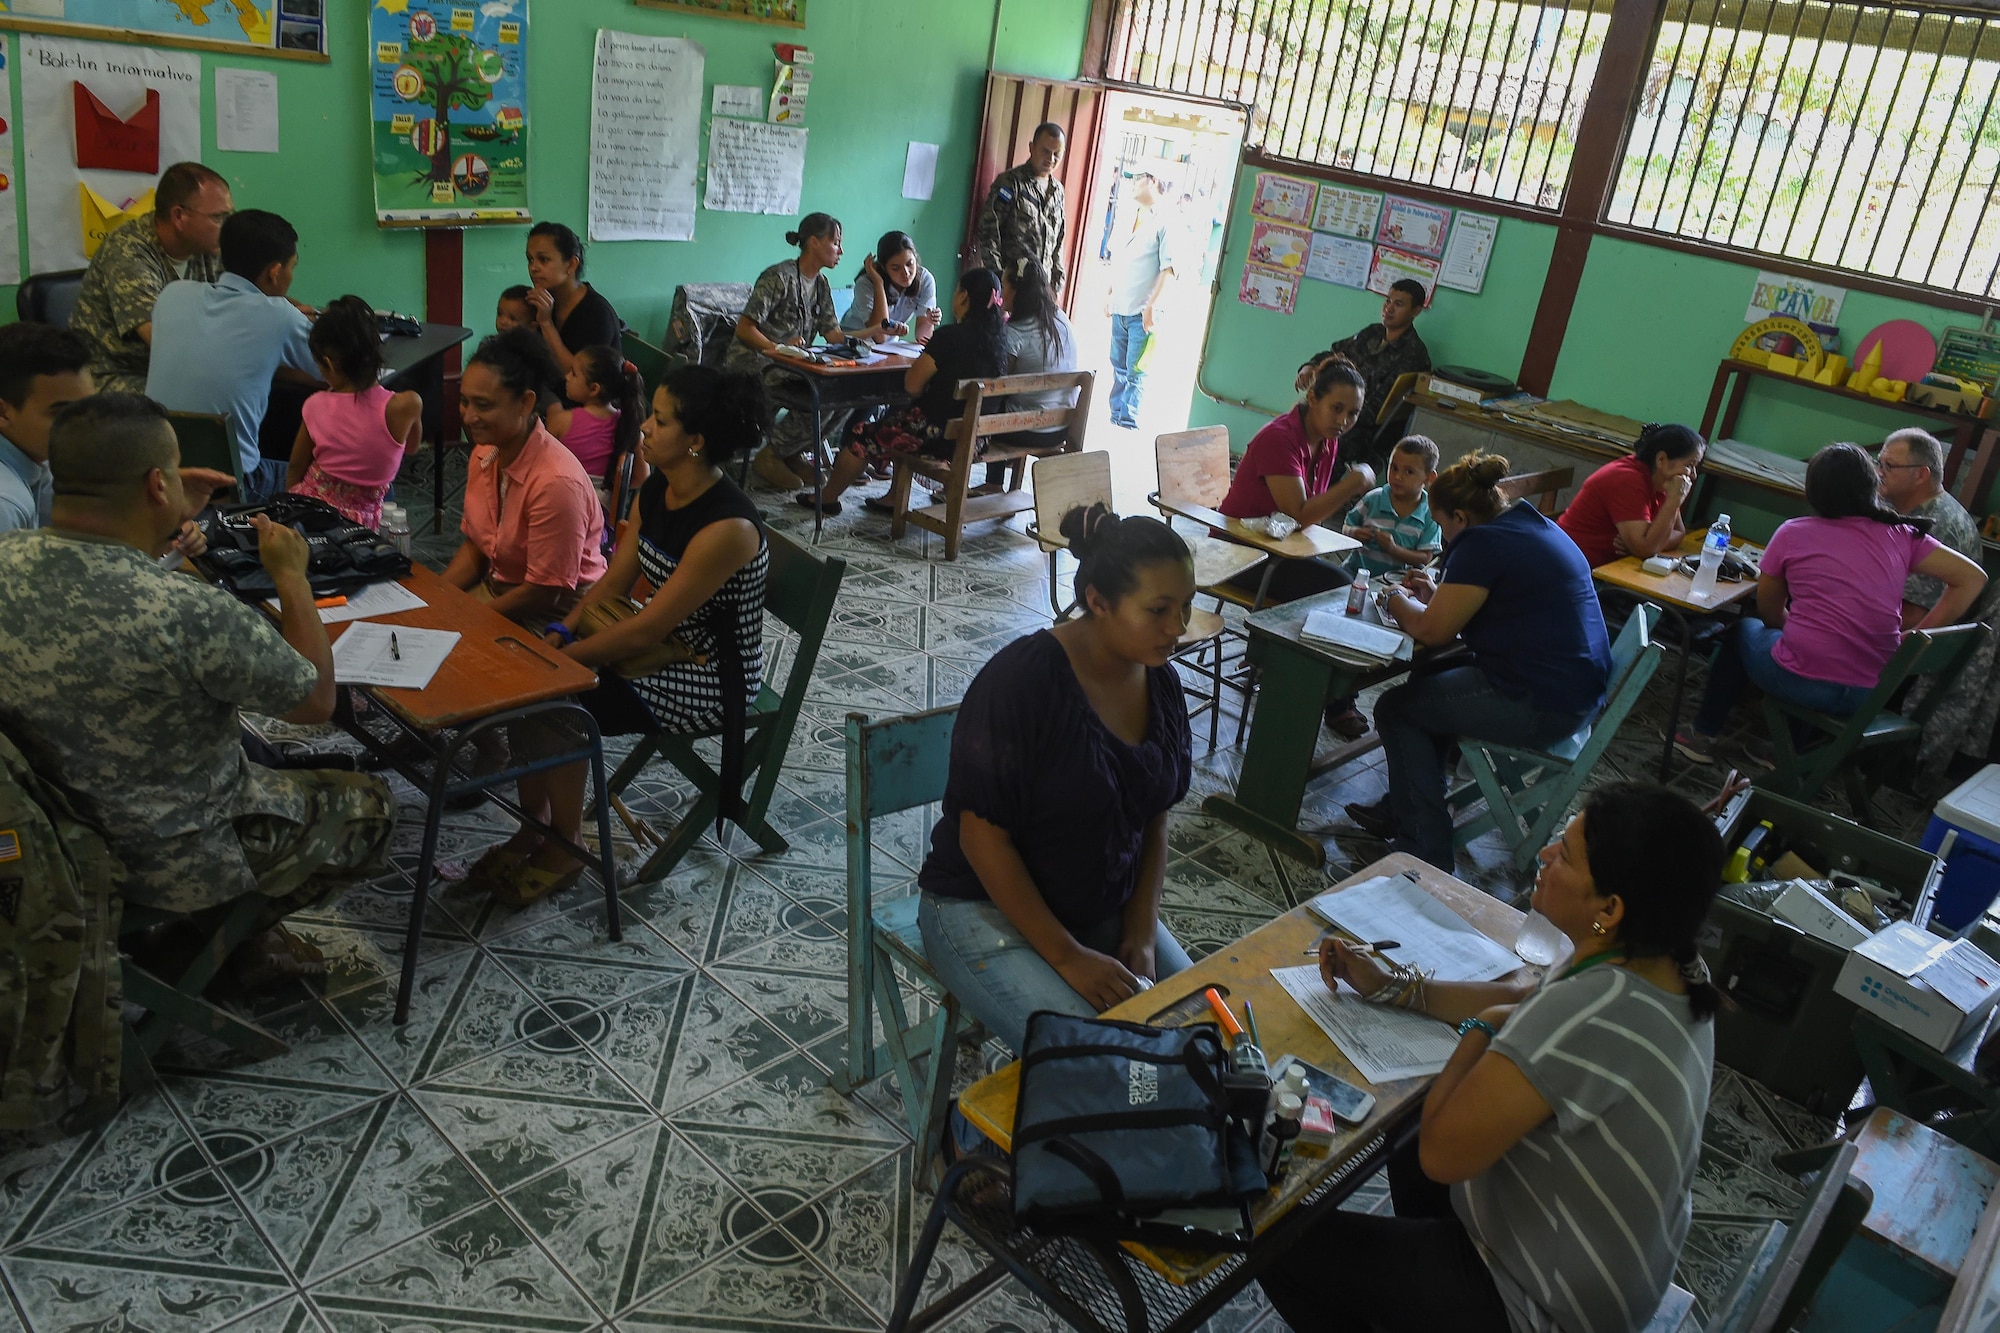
396,527
1540,943
1357,593
1713,548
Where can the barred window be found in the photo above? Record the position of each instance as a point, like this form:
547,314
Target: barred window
1856,136
1478,96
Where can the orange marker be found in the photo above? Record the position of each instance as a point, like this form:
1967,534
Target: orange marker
1222,1014
324,602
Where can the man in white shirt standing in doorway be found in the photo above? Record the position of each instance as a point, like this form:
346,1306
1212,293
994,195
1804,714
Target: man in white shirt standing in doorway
1144,248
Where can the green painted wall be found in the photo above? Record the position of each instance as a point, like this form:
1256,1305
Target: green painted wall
930,59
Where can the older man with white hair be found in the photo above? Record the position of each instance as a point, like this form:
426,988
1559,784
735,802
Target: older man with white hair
1912,466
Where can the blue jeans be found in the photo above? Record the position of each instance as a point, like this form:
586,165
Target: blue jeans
265,480
1419,722
1128,382
1745,659
989,965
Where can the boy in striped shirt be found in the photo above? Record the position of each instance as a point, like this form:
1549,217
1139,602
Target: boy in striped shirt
1393,522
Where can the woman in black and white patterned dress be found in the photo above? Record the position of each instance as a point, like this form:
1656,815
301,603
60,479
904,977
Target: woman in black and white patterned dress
699,541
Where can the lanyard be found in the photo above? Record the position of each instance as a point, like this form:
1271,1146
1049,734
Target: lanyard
1609,956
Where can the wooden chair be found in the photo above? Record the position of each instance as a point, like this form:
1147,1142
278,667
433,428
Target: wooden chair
1545,487
1063,482
1784,1265
1873,728
799,593
1191,470
1527,792
954,474
899,763
207,441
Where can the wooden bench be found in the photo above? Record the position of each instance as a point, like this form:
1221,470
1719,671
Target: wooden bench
967,434
1545,487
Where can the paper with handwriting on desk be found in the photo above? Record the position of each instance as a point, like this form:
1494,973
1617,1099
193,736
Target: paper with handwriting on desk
1429,934
394,655
1385,1044
376,599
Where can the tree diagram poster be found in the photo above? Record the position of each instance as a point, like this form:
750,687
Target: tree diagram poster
449,103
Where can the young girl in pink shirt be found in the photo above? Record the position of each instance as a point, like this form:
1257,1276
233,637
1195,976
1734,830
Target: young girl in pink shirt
355,434
604,428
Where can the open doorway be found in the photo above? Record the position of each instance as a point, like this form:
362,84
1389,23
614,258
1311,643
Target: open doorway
1191,149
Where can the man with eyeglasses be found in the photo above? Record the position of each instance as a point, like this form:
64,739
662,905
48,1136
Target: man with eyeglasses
180,239
1912,467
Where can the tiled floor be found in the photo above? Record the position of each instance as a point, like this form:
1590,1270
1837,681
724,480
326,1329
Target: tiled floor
569,1132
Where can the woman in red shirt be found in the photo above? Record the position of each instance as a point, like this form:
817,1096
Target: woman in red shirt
1633,506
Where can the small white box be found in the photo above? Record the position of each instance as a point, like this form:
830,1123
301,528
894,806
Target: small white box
1933,989
1818,915
1444,388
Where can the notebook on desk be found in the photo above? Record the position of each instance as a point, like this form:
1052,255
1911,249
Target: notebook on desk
1354,639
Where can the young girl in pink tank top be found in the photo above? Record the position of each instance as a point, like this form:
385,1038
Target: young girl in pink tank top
605,427
354,434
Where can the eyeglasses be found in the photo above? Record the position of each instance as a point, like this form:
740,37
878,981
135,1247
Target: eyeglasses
1891,467
220,216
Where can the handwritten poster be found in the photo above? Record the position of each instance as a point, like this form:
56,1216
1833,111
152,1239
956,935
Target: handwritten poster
1468,252
62,194
755,167
1416,227
448,98
1391,266
1268,289
1346,212
1339,259
1276,246
10,188
645,137
1283,198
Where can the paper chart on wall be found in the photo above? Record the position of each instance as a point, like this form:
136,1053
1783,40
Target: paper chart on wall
1273,245
1346,212
754,167
1283,198
1268,289
1393,265
645,137
920,170
10,230
1339,259
737,99
1413,226
1468,253
246,110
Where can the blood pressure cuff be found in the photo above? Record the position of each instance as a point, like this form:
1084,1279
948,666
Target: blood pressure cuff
1123,1132
346,557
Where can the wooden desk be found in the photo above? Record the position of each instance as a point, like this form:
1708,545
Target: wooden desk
819,387
1304,543
1929,1191
1674,594
1298,679
1244,968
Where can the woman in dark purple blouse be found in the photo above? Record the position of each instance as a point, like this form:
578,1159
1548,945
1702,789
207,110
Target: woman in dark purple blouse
1042,888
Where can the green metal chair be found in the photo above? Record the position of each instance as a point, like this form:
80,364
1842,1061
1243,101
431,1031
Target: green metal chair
1783,1267
652,362
1850,742
207,441
896,764
799,593
1527,792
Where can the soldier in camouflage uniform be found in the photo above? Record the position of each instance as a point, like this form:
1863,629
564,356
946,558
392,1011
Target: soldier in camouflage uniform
180,238
1383,353
124,683
1025,211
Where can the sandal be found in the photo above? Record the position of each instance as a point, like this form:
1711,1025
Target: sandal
881,504
529,884
830,508
498,863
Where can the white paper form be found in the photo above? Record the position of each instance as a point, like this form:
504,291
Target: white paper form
394,655
246,110
377,599
1385,1044
920,170
1429,934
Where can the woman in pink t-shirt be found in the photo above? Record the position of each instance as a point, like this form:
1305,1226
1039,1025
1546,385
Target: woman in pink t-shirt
354,435
1830,596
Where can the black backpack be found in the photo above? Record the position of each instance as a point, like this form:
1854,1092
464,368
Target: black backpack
345,556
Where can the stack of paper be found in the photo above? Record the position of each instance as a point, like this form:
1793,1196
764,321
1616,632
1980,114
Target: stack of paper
377,599
1385,1044
1354,639
1429,935
899,347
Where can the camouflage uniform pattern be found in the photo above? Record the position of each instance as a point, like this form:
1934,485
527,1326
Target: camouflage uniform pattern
1024,215
1381,361
788,309
124,685
119,288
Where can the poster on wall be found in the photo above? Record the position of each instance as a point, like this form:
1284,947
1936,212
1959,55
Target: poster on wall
1281,247
292,29
1283,198
754,168
1468,252
10,230
1800,298
1268,289
645,137
1392,266
1339,259
1415,227
108,119
784,13
1346,212
449,103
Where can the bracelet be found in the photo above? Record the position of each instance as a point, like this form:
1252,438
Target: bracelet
1479,1025
560,630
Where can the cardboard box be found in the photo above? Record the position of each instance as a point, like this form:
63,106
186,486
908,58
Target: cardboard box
1818,915
1933,989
